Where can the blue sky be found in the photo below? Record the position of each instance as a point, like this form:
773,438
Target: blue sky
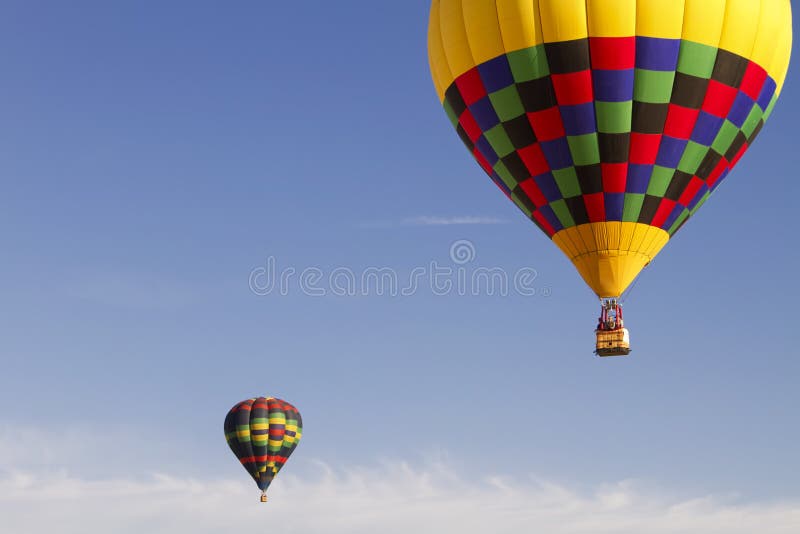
152,155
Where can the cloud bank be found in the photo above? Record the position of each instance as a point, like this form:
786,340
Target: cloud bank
393,498
45,488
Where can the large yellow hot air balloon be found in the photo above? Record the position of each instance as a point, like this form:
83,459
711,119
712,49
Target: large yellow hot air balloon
609,122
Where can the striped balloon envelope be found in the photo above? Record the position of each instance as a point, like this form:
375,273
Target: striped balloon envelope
609,122
263,432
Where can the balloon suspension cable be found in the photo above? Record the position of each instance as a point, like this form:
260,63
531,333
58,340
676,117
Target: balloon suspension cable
263,496
627,293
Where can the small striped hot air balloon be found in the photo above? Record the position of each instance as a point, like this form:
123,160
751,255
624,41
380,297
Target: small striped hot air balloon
609,122
263,432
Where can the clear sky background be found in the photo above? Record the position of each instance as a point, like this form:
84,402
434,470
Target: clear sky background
153,154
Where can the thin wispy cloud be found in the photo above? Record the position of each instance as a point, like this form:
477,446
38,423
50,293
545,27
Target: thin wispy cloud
394,498
425,220
435,220
133,291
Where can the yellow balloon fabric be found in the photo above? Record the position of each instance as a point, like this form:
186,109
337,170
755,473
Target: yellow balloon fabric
609,123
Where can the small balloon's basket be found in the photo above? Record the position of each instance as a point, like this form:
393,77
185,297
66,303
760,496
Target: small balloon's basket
264,497
613,343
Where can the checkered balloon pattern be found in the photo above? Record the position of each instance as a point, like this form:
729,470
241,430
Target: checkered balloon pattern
609,110
263,432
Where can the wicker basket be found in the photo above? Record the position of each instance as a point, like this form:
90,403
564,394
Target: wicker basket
613,342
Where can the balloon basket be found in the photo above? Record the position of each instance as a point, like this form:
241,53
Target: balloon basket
613,343
263,497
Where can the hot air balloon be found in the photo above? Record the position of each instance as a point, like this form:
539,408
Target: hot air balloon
263,433
609,122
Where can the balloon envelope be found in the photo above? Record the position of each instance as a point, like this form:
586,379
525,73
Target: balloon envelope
263,432
609,122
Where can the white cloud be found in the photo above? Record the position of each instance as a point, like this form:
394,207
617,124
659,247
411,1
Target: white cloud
394,498
44,489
